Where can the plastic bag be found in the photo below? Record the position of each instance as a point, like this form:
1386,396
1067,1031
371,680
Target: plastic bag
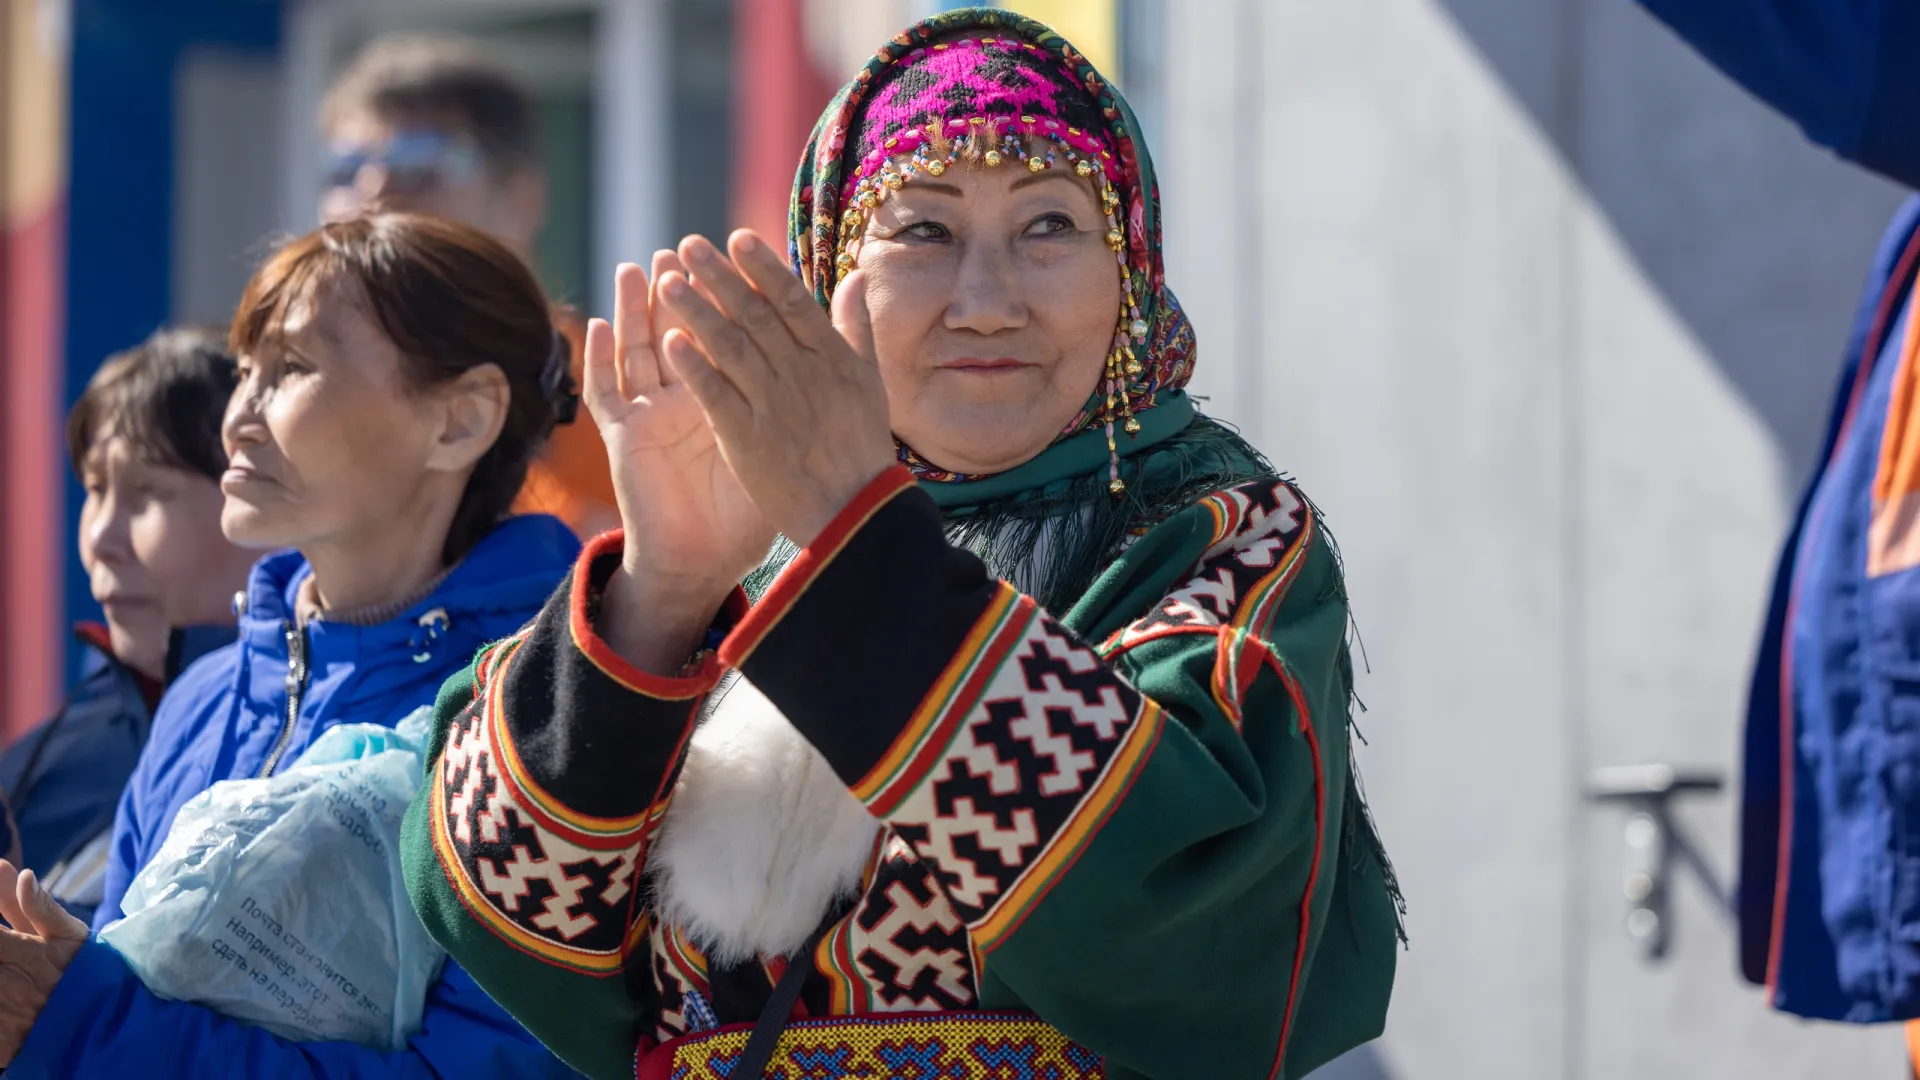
280,902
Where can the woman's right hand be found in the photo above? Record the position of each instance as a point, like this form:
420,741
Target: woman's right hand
691,531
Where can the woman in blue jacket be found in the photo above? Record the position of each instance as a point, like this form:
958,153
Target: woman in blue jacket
397,373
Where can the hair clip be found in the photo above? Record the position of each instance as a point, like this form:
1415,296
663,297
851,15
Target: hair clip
556,382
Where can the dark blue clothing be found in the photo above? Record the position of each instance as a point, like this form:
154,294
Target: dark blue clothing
226,717
64,778
1847,644
1844,70
1832,747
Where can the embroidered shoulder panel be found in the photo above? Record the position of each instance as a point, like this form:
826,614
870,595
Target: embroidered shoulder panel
1258,528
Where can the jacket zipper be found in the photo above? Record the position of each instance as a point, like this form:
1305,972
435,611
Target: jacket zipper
296,686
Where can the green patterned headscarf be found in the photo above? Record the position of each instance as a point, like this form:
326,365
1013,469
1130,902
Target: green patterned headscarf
846,157
1063,501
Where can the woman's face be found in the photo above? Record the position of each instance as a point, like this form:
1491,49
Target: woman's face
994,297
327,441
150,541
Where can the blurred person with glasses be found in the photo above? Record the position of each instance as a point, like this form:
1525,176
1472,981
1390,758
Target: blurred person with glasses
436,126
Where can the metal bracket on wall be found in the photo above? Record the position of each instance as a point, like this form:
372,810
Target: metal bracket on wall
1655,843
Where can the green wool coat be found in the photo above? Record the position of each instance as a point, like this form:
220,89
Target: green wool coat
1136,820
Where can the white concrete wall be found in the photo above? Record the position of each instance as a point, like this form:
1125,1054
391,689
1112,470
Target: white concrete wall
1544,314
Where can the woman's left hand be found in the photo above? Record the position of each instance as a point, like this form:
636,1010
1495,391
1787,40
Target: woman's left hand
793,397
43,940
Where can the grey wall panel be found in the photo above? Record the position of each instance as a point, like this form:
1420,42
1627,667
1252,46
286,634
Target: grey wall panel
1395,351
1718,262
1543,314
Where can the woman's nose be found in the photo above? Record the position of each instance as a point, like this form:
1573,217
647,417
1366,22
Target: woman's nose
986,297
240,425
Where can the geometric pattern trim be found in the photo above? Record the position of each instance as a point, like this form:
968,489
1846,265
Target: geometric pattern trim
680,979
1013,761
1257,528
946,1046
546,887
904,948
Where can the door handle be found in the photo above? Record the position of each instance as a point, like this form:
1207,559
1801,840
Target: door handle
1656,844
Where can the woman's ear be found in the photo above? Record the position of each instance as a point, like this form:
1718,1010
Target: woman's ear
473,408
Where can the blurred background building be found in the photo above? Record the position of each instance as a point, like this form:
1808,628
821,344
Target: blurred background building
1540,310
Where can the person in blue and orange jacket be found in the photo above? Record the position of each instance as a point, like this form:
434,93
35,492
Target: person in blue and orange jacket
1829,900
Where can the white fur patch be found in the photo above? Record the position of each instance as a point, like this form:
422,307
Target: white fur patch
761,838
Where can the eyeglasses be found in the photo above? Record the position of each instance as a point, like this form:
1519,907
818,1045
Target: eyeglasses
416,162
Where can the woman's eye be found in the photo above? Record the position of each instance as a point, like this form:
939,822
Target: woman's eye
928,230
1050,225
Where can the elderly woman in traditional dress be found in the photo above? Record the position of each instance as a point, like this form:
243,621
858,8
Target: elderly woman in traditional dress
1037,762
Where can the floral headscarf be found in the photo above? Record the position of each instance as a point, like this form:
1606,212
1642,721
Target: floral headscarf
1021,81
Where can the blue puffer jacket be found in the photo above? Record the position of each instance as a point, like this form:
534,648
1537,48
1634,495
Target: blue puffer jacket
224,718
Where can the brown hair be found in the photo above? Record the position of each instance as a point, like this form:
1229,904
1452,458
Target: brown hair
165,396
450,298
440,81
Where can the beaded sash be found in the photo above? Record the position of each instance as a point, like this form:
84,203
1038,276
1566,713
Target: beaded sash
886,1046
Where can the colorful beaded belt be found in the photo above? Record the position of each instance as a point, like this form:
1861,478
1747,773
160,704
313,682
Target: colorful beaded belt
887,1046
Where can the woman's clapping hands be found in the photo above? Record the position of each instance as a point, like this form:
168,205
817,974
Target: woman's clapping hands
732,406
793,397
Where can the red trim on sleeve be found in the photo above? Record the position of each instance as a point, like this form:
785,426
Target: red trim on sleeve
610,663
810,562
1319,841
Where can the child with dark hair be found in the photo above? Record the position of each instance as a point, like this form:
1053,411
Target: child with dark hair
145,440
